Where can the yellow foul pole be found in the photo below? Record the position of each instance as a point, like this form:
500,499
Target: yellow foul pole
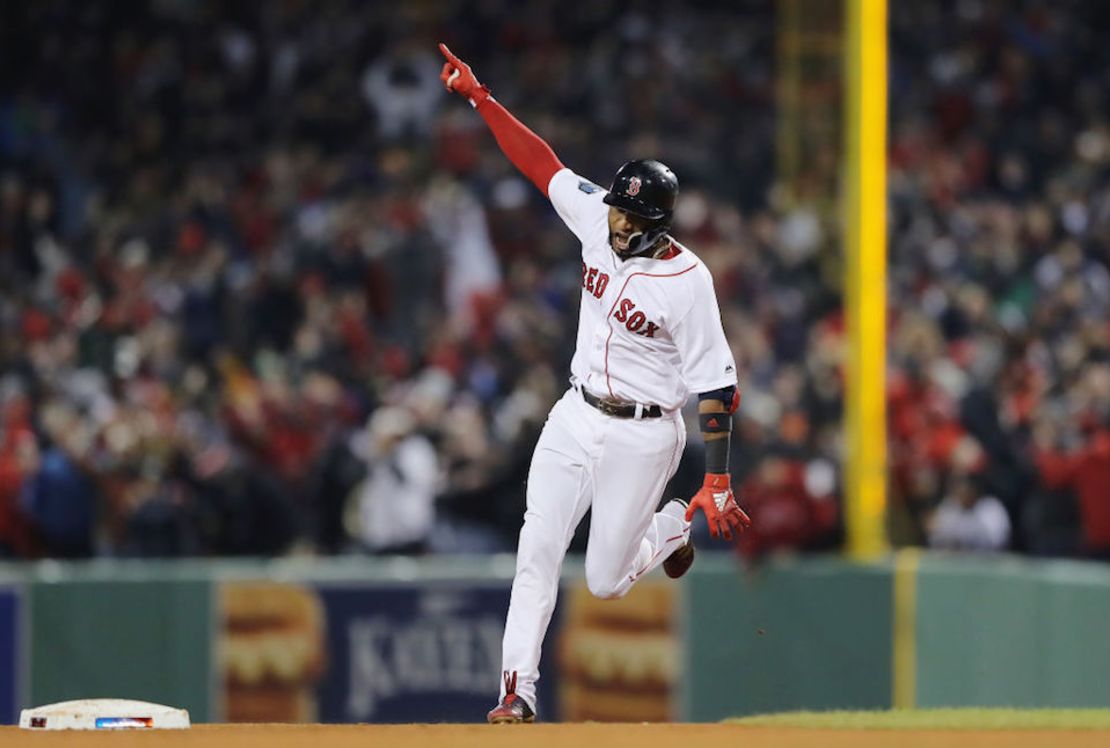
864,246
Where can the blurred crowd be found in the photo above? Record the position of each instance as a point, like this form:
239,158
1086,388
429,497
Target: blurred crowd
1000,247
265,288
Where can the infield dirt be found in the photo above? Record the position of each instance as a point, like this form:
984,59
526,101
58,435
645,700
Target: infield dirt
545,735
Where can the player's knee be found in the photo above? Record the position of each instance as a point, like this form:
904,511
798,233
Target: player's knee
605,586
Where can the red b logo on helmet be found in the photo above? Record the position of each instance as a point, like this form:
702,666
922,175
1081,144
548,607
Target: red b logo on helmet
634,186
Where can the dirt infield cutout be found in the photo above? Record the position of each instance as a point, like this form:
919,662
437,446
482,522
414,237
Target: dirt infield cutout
545,735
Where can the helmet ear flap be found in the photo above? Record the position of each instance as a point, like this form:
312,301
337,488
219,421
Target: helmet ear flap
642,241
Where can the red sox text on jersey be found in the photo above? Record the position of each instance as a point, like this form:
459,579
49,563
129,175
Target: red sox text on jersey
634,320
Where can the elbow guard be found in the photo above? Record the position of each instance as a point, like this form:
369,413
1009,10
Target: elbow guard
729,397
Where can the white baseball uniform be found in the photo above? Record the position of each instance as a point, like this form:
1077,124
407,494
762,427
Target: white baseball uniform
649,332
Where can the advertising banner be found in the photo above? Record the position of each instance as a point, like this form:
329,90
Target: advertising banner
414,654
346,652
270,652
619,660
11,665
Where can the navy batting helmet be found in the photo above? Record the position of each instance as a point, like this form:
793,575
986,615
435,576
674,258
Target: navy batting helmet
648,189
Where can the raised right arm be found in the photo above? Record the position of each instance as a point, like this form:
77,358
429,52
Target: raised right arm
527,151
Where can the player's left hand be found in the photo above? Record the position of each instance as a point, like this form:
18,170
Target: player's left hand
716,501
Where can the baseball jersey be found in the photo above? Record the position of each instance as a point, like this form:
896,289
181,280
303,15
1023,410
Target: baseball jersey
649,330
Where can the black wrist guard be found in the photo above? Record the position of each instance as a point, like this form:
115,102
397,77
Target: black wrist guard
715,423
716,455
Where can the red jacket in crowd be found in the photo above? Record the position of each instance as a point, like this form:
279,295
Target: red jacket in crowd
1086,472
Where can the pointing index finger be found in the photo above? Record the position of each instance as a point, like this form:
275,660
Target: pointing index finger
449,55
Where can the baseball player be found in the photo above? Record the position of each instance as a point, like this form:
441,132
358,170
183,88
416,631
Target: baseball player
649,335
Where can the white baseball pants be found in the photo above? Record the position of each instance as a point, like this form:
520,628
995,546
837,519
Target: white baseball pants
620,466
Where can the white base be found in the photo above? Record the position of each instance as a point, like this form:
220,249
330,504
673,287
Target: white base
103,714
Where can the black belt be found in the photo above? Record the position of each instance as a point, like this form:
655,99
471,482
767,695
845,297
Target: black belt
619,410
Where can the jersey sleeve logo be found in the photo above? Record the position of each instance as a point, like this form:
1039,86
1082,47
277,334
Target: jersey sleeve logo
588,187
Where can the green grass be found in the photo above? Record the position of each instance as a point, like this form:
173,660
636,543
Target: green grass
938,719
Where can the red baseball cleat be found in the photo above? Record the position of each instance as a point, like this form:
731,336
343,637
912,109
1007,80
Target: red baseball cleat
679,562
512,710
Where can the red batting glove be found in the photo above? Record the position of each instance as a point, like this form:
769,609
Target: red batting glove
458,77
722,513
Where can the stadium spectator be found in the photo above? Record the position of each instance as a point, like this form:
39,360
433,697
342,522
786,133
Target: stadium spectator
393,508
968,519
1085,470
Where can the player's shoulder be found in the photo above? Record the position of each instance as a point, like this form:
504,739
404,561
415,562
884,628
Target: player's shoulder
589,188
686,260
697,285
569,184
